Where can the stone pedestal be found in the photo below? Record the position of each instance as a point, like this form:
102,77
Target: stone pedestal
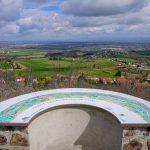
16,138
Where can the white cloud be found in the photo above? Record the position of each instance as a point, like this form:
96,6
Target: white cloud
40,1
10,9
10,29
82,19
101,7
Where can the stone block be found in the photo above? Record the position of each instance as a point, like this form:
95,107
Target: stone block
133,145
129,133
18,140
3,140
148,144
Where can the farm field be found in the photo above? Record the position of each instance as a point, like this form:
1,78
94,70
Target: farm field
44,67
38,64
23,52
39,69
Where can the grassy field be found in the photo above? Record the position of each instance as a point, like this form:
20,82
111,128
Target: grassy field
23,52
123,58
45,67
40,66
5,65
95,49
147,53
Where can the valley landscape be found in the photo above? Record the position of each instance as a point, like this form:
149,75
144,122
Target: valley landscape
74,75
122,67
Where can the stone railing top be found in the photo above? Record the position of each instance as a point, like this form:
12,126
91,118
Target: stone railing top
127,109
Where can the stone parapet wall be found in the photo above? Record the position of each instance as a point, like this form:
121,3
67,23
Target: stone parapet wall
14,138
136,139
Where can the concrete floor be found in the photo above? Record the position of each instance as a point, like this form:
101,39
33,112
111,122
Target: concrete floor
76,128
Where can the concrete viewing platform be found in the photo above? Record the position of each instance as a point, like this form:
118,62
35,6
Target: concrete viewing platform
90,111
127,109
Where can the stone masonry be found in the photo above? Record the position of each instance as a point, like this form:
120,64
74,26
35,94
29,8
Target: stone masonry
136,139
14,138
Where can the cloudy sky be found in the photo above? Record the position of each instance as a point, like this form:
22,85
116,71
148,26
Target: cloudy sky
73,19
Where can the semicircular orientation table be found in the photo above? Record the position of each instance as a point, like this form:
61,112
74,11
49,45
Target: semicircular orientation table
127,109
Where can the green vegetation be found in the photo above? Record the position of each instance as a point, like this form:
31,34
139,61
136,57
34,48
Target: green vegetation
95,49
44,67
122,57
30,70
148,58
34,62
147,53
118,73
5,65
23,52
